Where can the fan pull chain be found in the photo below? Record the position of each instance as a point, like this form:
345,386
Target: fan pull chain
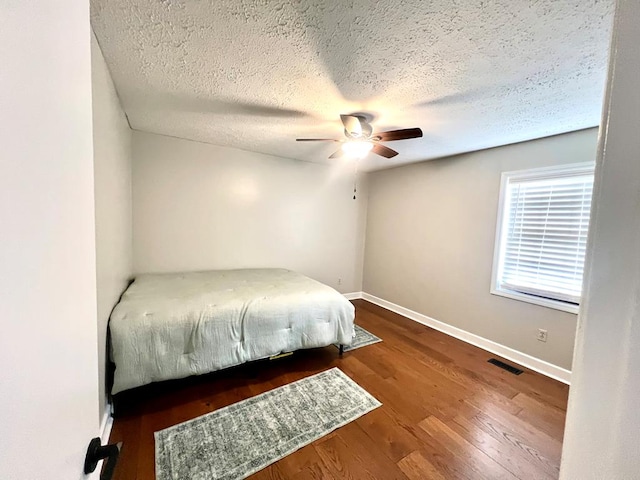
355,178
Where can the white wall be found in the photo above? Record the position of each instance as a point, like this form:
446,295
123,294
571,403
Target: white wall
112,169
430,240
603,420
48,355
198,206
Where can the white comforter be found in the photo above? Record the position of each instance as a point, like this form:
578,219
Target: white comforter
174,325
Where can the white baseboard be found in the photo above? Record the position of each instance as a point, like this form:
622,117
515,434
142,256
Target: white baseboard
532,363
106,424
352,295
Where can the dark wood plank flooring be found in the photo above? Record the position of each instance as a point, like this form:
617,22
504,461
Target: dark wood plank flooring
446,414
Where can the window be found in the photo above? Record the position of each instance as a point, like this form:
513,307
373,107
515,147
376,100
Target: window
541,237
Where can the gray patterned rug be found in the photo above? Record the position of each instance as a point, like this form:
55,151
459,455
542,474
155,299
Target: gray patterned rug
362,339
237,441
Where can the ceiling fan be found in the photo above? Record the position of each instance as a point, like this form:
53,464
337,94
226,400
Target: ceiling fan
360,138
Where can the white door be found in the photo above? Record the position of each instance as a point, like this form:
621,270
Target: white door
48,346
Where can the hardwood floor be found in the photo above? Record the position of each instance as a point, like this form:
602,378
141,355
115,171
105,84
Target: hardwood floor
446,414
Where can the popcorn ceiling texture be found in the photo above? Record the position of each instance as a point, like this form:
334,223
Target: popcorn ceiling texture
256,74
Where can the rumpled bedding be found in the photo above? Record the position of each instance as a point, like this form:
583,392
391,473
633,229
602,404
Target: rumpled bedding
169,326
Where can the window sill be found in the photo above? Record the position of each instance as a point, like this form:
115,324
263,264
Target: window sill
544,302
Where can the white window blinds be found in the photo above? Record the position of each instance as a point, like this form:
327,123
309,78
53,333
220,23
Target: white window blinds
544,233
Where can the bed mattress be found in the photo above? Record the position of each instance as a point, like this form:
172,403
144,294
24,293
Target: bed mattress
169,326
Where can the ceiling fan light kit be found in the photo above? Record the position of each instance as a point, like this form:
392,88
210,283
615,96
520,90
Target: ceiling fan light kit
357,148
360,139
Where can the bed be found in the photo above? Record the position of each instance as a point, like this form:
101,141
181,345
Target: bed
169,326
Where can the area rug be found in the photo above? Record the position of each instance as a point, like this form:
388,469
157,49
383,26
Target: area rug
362,339
237,441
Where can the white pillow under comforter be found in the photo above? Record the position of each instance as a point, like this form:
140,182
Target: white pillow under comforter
174,325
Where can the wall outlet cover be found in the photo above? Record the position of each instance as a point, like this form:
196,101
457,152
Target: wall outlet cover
542,335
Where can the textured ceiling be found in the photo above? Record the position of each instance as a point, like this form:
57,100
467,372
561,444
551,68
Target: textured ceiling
256,74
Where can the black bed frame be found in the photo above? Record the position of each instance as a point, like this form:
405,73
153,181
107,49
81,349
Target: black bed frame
118,399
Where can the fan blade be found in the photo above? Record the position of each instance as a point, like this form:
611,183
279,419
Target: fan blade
337,154
403,134
383,151
316,140
352,125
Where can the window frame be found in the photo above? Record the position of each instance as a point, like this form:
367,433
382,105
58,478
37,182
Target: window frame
581,168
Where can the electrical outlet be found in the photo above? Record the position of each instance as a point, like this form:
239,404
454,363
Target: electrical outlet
542,335
339,281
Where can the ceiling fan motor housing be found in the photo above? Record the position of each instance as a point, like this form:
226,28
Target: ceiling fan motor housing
365,127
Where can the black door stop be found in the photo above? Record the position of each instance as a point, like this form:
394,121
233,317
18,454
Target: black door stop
97,452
